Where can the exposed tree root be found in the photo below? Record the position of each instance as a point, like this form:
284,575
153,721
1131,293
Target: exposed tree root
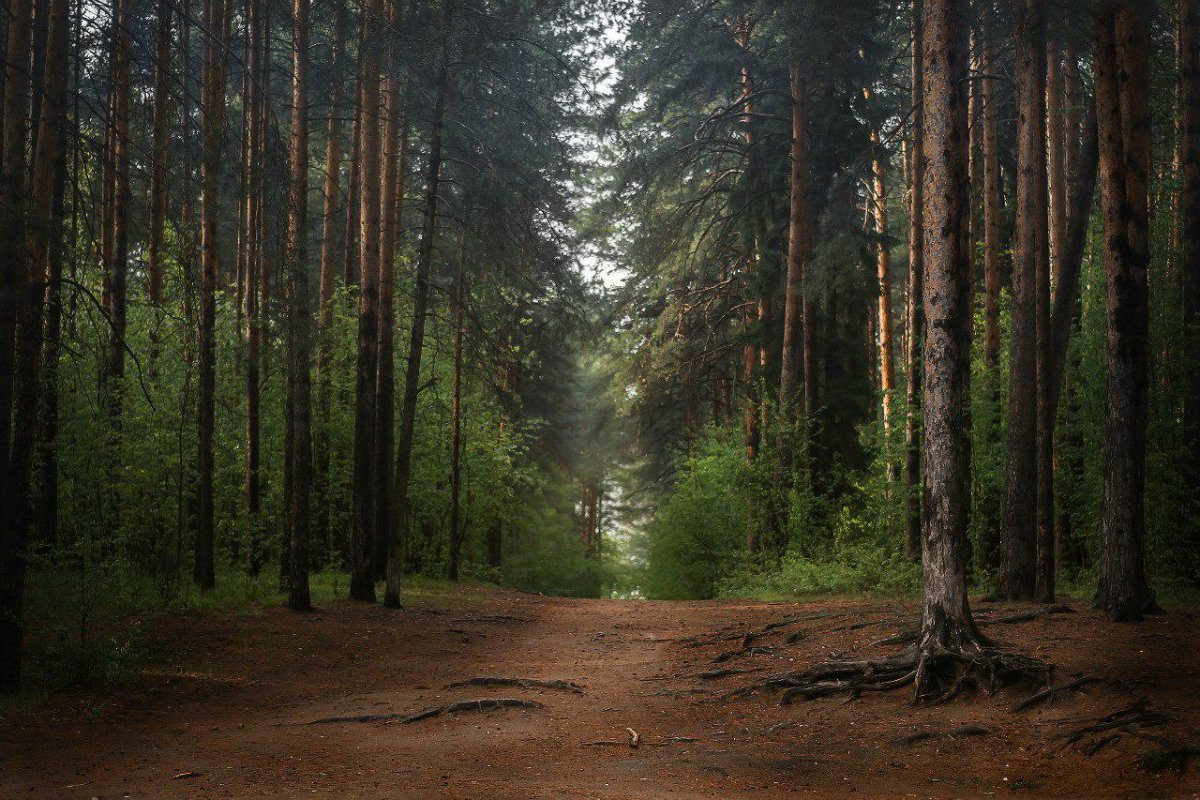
1029,616
486,704
713,674
957,733
497,618
1129,721
936,673
751,651
520,683
1050,691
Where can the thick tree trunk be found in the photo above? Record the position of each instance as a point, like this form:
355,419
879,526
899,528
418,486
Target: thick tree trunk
362,582
946,622
412,373
213,116
299,320
29,286
916,288
1020,531
1123,118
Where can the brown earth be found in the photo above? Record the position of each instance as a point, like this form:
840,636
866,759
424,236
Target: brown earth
225,714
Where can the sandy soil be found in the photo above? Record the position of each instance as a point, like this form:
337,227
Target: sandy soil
226,714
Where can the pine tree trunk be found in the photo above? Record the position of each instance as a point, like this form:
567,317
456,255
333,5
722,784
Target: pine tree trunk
946,622
412,373
915,312
1190,248
456,432
13,130
299,320
251,253
29,286
1123,118
117,275
1019,532
362,582
213,120
158,166
385,378
329,269
799,235
883,266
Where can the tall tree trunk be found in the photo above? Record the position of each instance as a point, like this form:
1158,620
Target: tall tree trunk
213,116
1190,240
385,377
117,275
158,166
412,374
1123,118
299,320
350,265
883,266
13,129
946,622
362,583
989,545
916,318
1019,532
456,424
29,285
329,269
1055,199
251,253
799,237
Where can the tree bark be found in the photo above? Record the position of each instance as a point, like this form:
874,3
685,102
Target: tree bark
883,266
1123,118
1190,245
29,287
362,582
799,243
1021,513
251,254
158,160
329,270
213,120
13,129
915,317
299,320
385,378
946,622
412,374
456,432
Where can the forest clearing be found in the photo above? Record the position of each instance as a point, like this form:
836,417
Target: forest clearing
231,711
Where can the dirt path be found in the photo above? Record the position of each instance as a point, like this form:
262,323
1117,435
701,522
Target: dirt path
231,704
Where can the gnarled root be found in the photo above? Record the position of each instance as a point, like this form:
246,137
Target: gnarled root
934,671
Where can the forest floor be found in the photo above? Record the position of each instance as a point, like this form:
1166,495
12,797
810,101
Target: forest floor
226,711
